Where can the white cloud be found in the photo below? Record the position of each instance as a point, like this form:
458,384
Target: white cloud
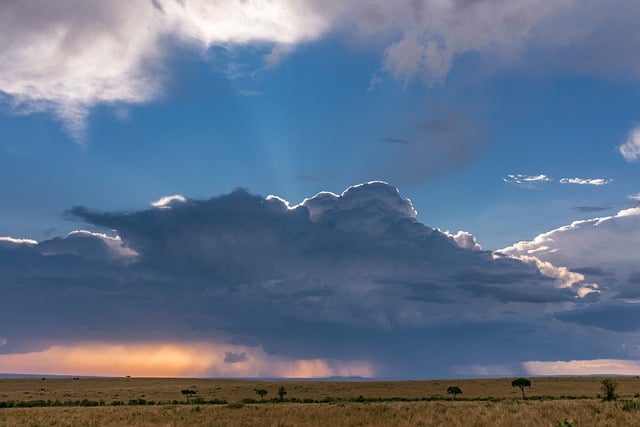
64,57
586,181
522,179
115,244
634,197
464,239
167,201
630,150
18,241
608,243
583,367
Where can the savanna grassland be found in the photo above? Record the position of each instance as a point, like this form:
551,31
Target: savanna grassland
161,402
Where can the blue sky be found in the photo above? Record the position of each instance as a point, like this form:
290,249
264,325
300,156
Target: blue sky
503,119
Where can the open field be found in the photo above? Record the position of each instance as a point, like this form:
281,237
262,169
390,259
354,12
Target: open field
460,413
168,389
553,400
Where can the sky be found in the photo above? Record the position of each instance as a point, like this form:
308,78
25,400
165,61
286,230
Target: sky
407,189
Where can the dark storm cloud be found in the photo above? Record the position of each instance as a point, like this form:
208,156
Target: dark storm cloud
621,317
351,276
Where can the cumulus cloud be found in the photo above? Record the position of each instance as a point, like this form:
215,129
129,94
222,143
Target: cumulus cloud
586,181
464,239
630,150
64,57
350,280
604,249
634,197
525,180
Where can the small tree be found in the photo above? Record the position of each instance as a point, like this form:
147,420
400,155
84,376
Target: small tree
454,390
188,393
521,383
281,392
261,392
608,387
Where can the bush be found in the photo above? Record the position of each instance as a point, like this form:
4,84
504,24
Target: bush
235,405
608,387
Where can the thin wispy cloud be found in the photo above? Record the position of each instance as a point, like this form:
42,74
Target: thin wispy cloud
522,179
589,209
586,181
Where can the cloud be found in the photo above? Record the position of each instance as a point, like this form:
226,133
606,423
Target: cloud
630,150
586,181
231,357
435,33
390,140
525,180
349,280
583,367
589,209
66,57
173,359
634,197
464,239
167,201
14,241
605,244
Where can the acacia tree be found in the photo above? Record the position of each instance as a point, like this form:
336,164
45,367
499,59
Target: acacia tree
281,392
608,387
188,393
454,390
261,392
521,383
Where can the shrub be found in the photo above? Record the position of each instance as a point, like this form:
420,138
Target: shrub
608,387
235,405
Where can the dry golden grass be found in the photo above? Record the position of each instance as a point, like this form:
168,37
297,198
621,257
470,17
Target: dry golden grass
168,389
460,413
507,412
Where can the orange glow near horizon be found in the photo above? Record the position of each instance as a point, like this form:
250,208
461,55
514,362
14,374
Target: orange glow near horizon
173,360
584,367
